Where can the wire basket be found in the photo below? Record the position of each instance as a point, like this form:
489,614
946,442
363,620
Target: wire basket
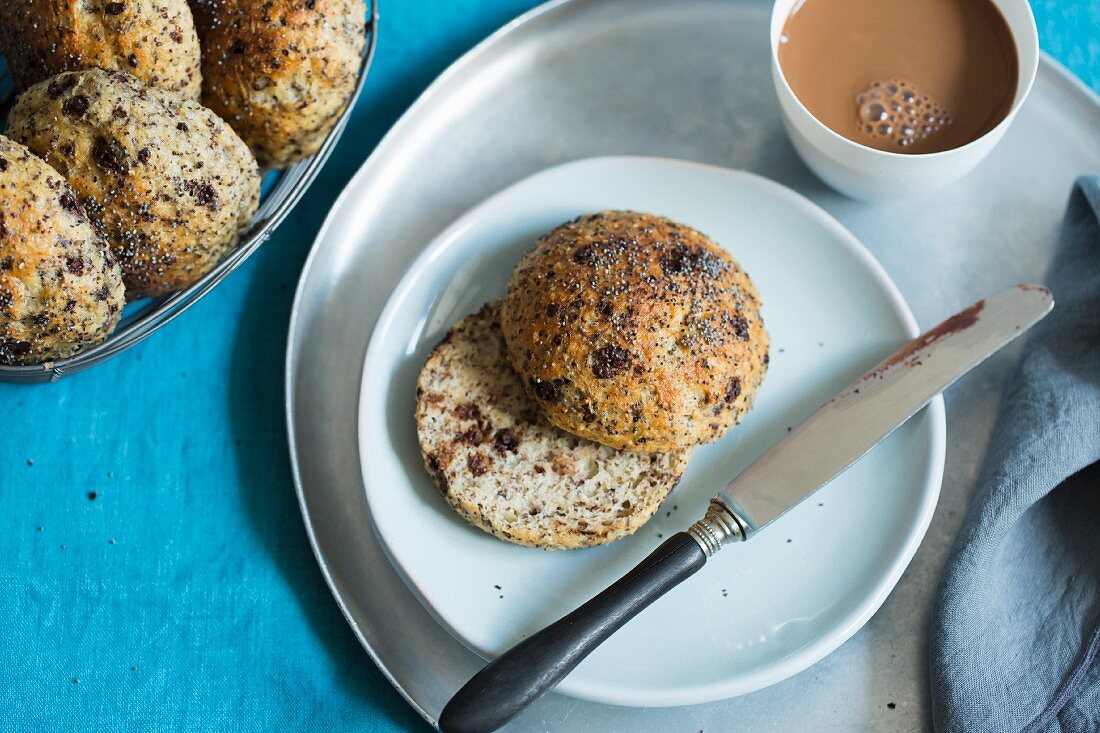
281,191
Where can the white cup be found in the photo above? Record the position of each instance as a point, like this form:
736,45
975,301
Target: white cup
865,173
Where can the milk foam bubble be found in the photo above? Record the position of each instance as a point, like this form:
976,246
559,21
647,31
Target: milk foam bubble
903,114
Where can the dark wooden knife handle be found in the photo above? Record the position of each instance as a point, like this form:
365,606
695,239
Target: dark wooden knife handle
526,672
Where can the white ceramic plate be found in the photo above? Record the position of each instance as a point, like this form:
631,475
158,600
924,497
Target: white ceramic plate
759,612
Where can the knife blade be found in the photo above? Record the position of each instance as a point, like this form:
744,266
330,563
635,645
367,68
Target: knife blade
843,430
824,445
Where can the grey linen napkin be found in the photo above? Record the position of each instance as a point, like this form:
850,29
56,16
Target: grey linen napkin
1016,627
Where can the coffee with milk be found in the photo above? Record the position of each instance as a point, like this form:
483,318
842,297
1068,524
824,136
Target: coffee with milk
904,76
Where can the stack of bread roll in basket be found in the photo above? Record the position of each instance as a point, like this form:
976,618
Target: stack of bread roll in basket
130,164
563,415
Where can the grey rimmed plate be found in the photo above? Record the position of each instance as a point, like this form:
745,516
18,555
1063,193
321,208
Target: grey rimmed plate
688,80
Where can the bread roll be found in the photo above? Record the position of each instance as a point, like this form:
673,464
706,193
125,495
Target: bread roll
507,470
60,289
170,184
636,332
152,39
280,72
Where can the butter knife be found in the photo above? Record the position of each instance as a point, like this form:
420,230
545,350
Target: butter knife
829,441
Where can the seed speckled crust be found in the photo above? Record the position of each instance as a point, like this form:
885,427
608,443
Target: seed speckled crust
60,289
506,469
154,40
636,332
280,72
169,183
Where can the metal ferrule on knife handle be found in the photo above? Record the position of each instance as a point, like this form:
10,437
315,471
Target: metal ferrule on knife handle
719,527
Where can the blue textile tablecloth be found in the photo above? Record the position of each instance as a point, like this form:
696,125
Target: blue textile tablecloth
155,573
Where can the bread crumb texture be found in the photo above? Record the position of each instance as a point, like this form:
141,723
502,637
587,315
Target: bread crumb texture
505,469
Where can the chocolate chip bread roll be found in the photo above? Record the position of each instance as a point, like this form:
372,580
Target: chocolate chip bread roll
636,332
280,72
154,40
60,289
170,184
504,468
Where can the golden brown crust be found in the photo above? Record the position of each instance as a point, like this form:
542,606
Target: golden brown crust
154,40
505,469
636,332
280,72
170,184
60,290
